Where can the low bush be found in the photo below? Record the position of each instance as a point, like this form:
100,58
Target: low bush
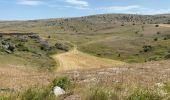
155,39
63,82
156,25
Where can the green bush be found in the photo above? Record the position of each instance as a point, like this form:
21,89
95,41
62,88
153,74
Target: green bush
156,25
155,39
167,56
62,82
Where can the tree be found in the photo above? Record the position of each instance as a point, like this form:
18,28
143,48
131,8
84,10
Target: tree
156,25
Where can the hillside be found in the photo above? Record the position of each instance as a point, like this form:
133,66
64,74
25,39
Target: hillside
81,24
127,55
101,35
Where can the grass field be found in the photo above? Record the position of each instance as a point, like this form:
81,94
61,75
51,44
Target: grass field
123,52
76,60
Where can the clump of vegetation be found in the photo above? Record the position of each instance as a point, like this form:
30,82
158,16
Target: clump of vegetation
141,94
41,93
147,48
156,25
99,93
38,94
167,56
32,48
63,82
167,88
155,39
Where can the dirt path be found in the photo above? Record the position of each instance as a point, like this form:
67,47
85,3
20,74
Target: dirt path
74,60
165,25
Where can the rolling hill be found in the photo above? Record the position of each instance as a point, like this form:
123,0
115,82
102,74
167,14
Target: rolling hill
112,51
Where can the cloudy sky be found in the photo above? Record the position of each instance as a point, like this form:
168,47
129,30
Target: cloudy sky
42,9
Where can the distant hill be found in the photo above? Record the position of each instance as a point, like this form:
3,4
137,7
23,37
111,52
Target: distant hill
81,24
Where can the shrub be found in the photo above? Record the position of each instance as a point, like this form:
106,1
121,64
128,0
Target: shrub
167,56
11,48
62,82
122,25
156,25
165,38
155,39
147,48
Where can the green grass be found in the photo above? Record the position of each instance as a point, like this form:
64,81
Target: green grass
42,93
91,36
29,53
141,94
99,93
127,45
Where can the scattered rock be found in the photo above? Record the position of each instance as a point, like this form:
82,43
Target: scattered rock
61,46
22,38
44,45
58,91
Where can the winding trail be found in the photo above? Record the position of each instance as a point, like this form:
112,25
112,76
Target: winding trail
77,60
165,25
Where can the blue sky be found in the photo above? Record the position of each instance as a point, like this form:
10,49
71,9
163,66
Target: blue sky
42,9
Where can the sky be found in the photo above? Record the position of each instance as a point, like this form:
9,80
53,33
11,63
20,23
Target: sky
44,9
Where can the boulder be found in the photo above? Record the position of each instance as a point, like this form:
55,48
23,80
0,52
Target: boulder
22,38
61,46
44,45
58,91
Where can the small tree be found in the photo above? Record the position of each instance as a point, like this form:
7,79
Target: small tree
156,25
155,39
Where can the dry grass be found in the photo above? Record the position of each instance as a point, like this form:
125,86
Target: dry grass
75,59
20,78
164,25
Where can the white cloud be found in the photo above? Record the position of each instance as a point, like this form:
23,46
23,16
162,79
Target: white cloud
150,11
80,3
30,2
118,8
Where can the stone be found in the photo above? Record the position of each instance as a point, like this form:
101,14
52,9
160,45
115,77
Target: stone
58,91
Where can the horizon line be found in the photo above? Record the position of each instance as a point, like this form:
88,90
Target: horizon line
14,20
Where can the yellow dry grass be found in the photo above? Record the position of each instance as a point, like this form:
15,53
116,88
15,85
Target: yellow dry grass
165,25
18,78
76,60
